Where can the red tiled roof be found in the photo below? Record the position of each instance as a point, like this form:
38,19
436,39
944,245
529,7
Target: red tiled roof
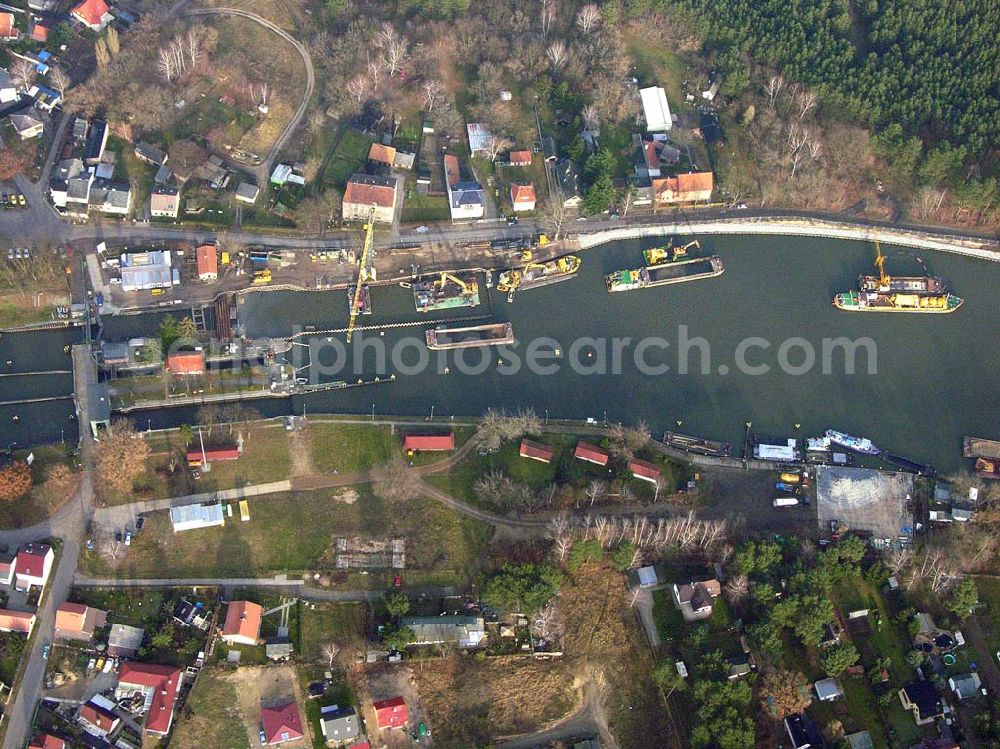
362,194
281,723
46,741
98,717
217,453
208,261
694,181
164,680
243,620
522,193
451,169
591,453
7,30
391,713
71,618
16,621
187,362
652,157
642,469
519,157
684,186
31,560
429,442
382,154
536,451
40,34
91,11
360,745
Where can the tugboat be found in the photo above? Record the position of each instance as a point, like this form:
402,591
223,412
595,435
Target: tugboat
885,293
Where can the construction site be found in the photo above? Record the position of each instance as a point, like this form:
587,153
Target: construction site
865,500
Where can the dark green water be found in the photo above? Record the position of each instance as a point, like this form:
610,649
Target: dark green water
934,379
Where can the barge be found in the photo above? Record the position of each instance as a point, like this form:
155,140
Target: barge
446,291
493,334
534,275
697,445
671,254
777,451
977,447
861,445
665,273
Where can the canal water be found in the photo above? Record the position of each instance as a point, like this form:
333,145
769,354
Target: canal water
930,380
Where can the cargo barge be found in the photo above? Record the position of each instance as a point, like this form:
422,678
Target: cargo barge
777,451
492,334
446,291
665,273
697,445
977,447
885,293
534,275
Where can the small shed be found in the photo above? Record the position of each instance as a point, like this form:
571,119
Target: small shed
536,451
828,690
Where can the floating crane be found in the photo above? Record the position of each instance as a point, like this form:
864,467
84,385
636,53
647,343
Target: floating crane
446,277
366,271
883,277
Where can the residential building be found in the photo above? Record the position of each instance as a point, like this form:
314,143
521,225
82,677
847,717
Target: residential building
464,631
81,127
164,175
33,565
97,716
369,191
650,576
28,123
21,622
159,686
519,158
186,362
339,724
569,183
465,197
124,640
550,152
429,442
828,690
150,154
403,160
8,91
284,173
247,193
208,262
803,732
694,187
145,270
189,614
46,99
7,564
644,470
591,453
922,699
281,723
391,713
47,741
97,141
212,171
382,154
653,155
165,202
8,31
964,686
190,517
480,138
77,621
94,14
522,197
655,109
242,625
39,32
739,666
536,451
694,599
58,191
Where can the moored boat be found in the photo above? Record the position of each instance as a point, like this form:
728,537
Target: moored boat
987,469
472,336
534,275
671,254
665,273
447,291
977,447
861,445
697,445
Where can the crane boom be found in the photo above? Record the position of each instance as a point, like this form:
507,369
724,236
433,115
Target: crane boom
366,271
883,277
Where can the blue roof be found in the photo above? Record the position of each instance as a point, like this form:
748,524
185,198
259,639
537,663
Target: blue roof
43,55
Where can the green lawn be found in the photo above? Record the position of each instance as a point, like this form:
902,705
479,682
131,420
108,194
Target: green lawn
211,716
13,315
294,532
206,115
419,208
44,499
349,157
347,448
657,64
342,623
130,168
989,594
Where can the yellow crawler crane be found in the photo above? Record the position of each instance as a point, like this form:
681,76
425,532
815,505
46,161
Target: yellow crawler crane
366,271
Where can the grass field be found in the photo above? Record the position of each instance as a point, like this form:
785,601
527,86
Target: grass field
294,532
347,448
211,715
12,315
349,157
342,623
419,208
45,497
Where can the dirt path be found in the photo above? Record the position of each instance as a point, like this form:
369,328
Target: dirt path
298,451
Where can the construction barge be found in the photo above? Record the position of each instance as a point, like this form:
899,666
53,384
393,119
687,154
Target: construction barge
447,291
535,275
986,454
443,338
662,274
697,445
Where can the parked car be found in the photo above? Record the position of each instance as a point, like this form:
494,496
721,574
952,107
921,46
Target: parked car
45,651
90,665
99,665
139,522
128,538
263,738
21,201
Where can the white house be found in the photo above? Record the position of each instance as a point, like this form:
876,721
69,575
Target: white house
28,124
187,517
8,91
656,109
94,14
465,199
33,565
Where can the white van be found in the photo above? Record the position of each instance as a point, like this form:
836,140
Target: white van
785,501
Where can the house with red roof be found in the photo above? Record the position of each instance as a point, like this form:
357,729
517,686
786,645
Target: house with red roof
159,685
94,14
242,623
281,723
198,456
7,564
644,470
21,622
208,262
186,362
46,741
522,197
365,192
391,713
428,442
39,32
33,565
536,451
591,453
519,158
8,31
77,621
97,716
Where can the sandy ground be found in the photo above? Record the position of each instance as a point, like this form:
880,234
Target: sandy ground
390,680
267,685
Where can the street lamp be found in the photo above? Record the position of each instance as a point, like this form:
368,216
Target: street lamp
373,412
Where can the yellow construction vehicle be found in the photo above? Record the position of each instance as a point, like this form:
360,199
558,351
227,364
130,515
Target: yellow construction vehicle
366,271
446,277
543,239
658,255
262,277
883,277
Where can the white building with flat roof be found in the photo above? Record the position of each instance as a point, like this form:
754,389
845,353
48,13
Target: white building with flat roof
656,109
189,517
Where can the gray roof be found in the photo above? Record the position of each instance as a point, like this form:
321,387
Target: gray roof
79,189
828,689
965,685
99,401
26,120
339,723
248,191
568,178
278,647
860,740
114,350
70,168
196,515
163,175
150,152
467,193
124,639
118,195
462,630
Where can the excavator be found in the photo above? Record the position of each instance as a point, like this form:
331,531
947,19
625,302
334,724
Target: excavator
440,283
366,272
660,255
883,277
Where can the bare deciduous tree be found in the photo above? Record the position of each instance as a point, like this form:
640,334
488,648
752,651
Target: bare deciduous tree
556,214
496,145
806,101
557,53
395,48
737,588
59,80
330,650
547,15
772,88
358,87
23,72
112,40
165,65
596,490
591,118
588,17
433,94
375,68
396,482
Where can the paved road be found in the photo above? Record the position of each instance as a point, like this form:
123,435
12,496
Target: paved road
264,170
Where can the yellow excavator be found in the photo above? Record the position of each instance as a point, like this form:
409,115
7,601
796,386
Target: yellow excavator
366,271
446,277
883,277
658,255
